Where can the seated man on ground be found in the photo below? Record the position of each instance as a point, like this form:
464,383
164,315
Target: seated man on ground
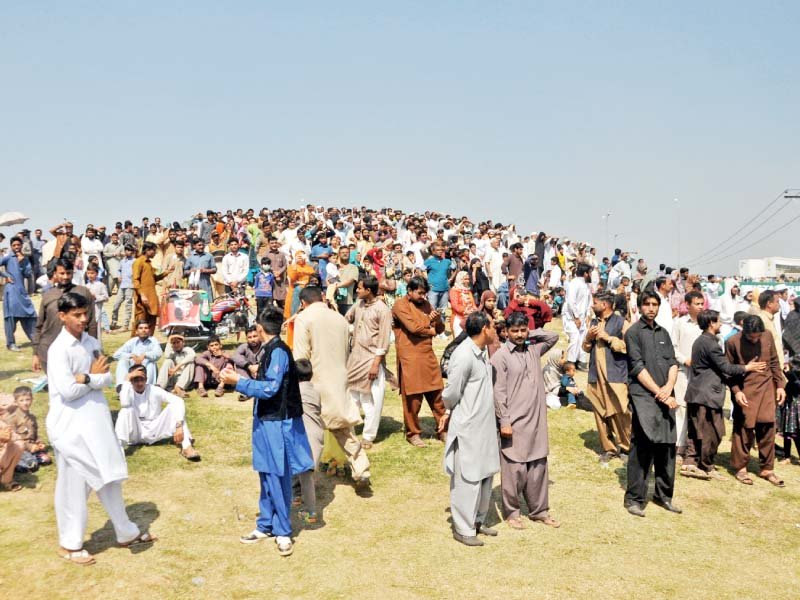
247,356
143,418
26,431
207,367
10,453
143,349
177,371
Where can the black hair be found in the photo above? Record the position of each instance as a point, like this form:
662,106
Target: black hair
138,368
212,339
583,269
130,248
692,295
250,329
311,294
16,238
765,298
148,246
65,264
71,301
418,283
271,320
21,391
476,321
605,296
93,268
232,240
370,282
647,295
266,261
739,317
304,370
660,281
706,318
516,319
752,324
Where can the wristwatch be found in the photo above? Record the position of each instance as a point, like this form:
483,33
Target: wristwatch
86,379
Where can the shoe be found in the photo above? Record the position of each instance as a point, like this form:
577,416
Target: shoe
606,457
467,540
242,398
667,505
285,546
14,348
635,510
416,441
366,444
255,536
220,391
190,454
364,487
484,530
546,520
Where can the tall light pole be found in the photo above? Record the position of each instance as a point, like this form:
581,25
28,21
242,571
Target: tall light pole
678,237
607,216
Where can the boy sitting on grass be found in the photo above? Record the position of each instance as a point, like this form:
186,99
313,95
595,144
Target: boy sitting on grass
26,431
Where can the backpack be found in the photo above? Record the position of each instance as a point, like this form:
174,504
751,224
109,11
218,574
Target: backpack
444,362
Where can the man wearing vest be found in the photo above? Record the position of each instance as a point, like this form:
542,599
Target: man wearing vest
280,445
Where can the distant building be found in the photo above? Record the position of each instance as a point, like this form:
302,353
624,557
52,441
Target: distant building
769,268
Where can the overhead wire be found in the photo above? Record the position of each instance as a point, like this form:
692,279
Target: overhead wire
747,223
726,247
758,241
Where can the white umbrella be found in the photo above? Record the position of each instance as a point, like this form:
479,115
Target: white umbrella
12,218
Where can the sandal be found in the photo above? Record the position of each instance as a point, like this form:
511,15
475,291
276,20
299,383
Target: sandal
142,538
11,487
77,557
201,391
220,391
693,471
773,479
743,477
515,523
190,454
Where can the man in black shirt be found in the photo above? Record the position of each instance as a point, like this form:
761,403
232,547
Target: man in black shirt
652,371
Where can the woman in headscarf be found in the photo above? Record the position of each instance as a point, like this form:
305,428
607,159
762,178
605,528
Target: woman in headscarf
461,302
477,278
488,306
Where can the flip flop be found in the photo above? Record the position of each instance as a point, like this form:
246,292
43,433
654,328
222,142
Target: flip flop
77,557
142,538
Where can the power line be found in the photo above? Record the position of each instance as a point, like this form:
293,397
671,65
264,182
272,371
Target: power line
722,248
735,233
758,241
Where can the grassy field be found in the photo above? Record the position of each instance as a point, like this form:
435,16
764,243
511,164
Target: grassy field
731,541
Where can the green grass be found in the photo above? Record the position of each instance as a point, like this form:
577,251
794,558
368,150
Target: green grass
731,541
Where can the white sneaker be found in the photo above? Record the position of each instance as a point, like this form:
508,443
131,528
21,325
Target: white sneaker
285,547
254,537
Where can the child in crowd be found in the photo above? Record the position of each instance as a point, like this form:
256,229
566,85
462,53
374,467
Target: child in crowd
207,367
263,284
569,389
100,293
312,419
788,417
25,428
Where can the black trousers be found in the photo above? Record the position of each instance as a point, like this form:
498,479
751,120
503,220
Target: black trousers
645,454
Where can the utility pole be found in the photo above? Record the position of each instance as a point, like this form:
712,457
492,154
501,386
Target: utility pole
607,216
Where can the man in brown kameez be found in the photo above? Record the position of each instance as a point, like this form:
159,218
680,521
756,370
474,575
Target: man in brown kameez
608,376
521,410
366,374
755,395
415,325
48,325
145,297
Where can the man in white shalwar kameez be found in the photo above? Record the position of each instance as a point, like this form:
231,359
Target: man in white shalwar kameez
472,451
142,420
88,454
577,307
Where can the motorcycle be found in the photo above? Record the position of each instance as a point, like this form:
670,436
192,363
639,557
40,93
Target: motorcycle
190,313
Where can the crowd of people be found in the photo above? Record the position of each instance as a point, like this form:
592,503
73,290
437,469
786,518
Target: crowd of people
334,290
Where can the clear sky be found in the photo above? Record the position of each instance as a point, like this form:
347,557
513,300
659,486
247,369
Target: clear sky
545,114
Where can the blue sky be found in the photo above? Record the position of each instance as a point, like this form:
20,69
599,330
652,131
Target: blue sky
545,114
